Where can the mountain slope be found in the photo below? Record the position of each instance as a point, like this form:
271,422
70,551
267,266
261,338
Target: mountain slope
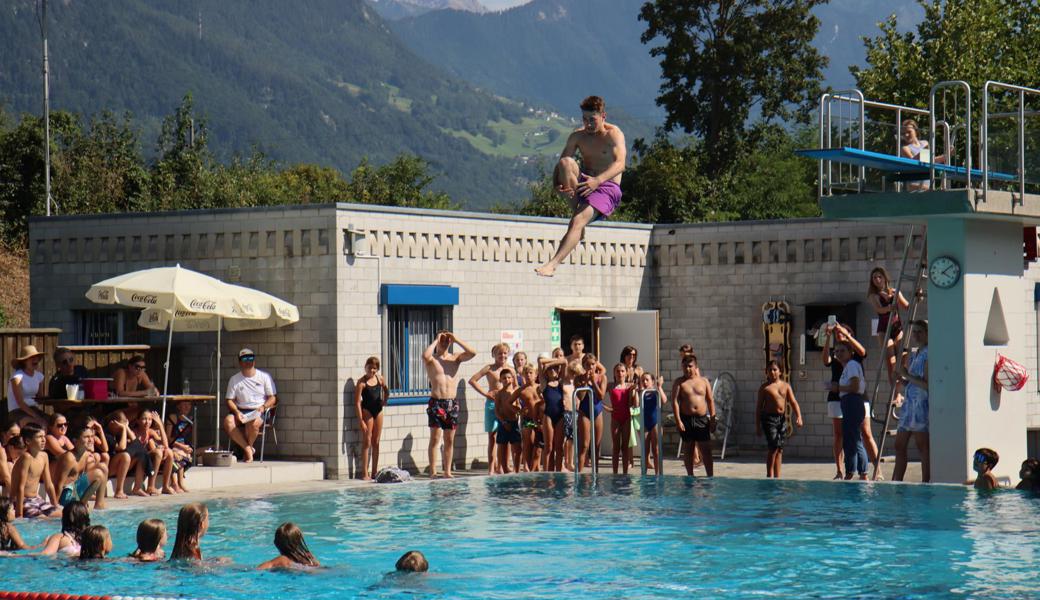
554,52
557,51
399,9
324,81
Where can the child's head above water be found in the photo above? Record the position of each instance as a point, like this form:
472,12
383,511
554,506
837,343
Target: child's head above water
413,561
1030,470
985,459
288,538
95,542
151,535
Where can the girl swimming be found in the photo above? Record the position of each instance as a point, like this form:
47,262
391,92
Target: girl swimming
292,548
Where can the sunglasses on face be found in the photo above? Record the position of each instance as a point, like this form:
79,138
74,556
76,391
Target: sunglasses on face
140,367
247,359
61,425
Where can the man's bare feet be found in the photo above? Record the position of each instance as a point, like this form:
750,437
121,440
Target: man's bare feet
247,455
546,270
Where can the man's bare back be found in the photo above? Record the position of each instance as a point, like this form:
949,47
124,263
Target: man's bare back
693,395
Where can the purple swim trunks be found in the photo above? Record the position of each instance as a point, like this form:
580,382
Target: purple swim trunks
605,199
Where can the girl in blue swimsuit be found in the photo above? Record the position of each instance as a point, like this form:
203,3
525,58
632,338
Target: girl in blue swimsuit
648,390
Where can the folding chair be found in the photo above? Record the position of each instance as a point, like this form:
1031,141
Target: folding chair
269,420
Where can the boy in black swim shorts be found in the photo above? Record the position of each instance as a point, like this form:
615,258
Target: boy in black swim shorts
694,408
770,420
507,411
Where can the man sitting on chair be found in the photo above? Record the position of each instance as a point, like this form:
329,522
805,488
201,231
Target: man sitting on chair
250,394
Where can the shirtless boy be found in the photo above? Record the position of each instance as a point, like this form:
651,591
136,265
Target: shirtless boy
499,354
32,468
532,413
442,367
773,398
594,189
80,474
507,411
694,410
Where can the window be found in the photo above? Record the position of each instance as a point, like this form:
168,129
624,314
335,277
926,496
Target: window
108,327
411,329
414,315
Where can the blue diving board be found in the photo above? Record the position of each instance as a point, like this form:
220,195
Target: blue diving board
897,165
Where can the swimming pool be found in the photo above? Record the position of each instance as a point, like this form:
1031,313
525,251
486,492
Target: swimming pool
537,536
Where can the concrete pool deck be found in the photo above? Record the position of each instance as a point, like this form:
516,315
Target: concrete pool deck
737,468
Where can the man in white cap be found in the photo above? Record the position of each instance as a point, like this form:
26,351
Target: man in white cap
250,394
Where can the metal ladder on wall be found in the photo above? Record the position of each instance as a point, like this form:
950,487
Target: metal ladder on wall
918,279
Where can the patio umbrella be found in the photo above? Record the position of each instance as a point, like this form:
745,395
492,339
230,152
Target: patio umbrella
174,289
255,310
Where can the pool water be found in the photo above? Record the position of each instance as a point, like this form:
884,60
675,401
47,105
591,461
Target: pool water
543,536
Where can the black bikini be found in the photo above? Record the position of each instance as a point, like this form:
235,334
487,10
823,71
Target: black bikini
372,399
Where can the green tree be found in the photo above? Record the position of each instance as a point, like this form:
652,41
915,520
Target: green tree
181,178
543,202
724,61
403,182
969,40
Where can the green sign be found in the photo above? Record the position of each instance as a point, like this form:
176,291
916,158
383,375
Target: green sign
554,329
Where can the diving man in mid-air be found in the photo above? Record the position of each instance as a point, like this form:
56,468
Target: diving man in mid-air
594,189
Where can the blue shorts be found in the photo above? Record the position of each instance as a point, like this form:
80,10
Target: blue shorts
490,420
508,435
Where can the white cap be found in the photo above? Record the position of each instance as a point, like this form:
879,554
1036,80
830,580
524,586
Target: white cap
245,352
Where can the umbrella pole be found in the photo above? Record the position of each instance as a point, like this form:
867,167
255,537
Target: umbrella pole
216,385
166,377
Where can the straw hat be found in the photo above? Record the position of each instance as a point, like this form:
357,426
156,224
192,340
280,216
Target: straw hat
28,351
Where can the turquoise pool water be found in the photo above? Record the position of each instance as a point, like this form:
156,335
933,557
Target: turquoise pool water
538,536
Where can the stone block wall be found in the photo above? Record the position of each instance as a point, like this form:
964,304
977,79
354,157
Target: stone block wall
710,282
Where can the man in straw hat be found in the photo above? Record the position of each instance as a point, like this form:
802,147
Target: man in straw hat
24,386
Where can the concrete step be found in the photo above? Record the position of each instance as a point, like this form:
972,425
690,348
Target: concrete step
241,474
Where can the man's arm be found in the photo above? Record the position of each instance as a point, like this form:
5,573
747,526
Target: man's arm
794,406
427,354
467,352
570,147
675,406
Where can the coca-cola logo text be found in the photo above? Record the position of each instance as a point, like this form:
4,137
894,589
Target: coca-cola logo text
144,298
198,304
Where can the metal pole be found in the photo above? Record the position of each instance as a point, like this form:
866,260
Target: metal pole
216,385
169,347
1021,146
46,111
984,127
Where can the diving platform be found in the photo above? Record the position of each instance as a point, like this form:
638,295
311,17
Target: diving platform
873,165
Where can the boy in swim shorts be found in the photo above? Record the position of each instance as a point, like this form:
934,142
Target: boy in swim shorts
499,356
442,368
32,468
594,188
694,410
507,410
773,397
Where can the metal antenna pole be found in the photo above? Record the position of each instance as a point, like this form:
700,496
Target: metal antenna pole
46,111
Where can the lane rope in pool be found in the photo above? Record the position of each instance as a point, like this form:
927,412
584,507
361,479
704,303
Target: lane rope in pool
8,595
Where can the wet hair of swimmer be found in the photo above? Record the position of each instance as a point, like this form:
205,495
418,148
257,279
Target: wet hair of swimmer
412,561
94,542
290,543
150,533
189,530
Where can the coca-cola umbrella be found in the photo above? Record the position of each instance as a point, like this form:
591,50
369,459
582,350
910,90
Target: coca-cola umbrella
173,289
262,311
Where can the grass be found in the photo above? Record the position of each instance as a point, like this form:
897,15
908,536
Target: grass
530,137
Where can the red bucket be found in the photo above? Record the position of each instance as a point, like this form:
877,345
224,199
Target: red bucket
95,388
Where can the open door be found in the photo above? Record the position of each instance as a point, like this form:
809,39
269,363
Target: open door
614,331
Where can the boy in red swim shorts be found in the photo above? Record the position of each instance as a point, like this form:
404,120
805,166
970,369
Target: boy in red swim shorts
594,189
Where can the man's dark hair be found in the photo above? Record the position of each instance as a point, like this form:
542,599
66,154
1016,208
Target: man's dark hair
577,338
593,104
689,358
30,430
991,457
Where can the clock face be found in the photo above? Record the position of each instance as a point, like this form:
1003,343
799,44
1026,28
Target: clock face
944,272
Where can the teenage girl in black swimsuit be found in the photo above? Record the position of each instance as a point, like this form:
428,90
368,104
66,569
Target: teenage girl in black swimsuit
370,396
887,302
